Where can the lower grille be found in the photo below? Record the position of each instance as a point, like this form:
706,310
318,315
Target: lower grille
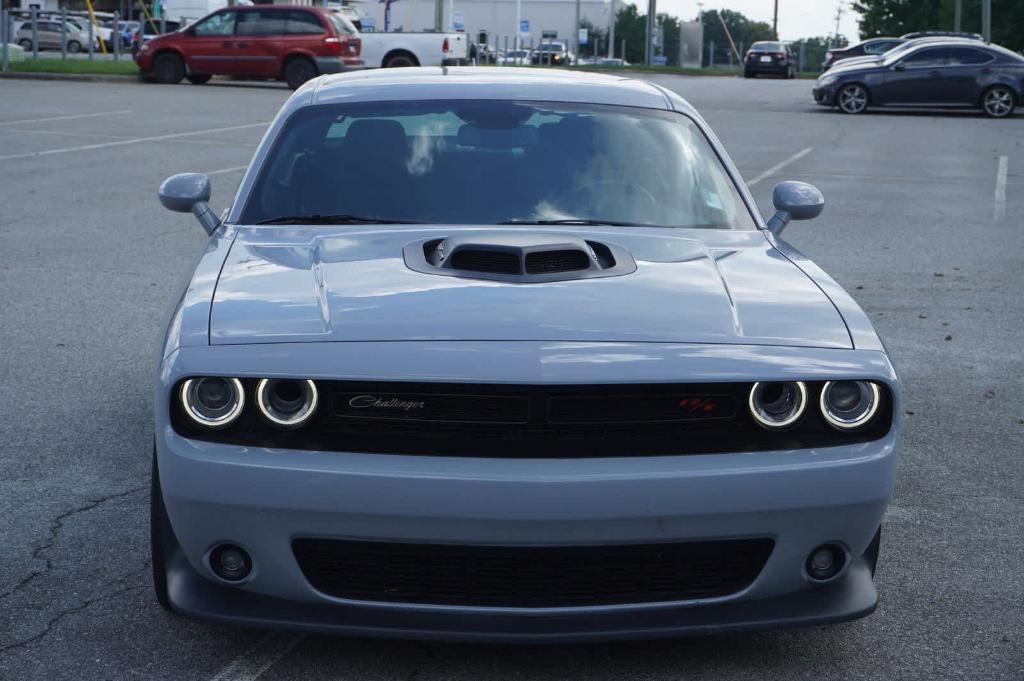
530,576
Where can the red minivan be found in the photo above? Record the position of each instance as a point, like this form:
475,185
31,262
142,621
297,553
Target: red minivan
285,42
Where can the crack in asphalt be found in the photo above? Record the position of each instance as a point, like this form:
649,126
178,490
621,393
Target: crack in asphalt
55,527
24,643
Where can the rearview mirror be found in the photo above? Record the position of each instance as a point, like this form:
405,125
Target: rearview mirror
190,193
794,201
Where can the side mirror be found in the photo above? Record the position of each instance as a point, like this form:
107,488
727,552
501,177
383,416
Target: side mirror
899,67
794,201
190,193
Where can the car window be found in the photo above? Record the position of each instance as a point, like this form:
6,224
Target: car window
222,23
261,22
342,24
877,48
965,56
301,22
766,47
490,162
934,56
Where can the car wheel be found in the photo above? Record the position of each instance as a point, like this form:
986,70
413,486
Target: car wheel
198,78
159,529
852,99
26,45
998,101
168,69
399,61
74,46
298,71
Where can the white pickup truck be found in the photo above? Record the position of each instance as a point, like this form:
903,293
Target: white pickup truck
384,50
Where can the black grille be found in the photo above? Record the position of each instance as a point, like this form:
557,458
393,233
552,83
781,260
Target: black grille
530,576
498,262
517,421
548,262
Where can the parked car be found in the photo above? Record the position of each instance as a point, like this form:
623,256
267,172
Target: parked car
903,48
512,358
148,30
874,46
942,34
284,42
51,36
393,49
515,57
128,30
552,54
769,57
959,73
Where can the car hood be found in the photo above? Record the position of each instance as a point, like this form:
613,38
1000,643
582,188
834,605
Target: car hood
853,64
287,284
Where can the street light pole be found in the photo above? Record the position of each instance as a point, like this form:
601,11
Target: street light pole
611,34
986,20
775,21
957,11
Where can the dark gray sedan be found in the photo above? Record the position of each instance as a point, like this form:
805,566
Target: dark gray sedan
957,73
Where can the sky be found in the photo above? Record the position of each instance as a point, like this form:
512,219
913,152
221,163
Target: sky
797,18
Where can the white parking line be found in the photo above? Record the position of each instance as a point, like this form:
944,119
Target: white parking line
251,664
226,170
67,118
1000,208
134,140
780,165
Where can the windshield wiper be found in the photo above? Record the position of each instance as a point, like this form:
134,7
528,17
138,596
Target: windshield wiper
331,219
575,221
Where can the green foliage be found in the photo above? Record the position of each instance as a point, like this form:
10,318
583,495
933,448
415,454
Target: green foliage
896,17
124,67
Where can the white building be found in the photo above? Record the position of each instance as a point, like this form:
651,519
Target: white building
546,18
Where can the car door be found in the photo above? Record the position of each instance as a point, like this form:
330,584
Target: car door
49,35
210,44
917,78
965,74
259,33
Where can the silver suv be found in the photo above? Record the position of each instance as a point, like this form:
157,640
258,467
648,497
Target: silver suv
49,36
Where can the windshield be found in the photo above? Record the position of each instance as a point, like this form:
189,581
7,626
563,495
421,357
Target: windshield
492,162
766,47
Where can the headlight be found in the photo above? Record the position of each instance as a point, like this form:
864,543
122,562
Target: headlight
847,405
286,402
825,81
212,401
778,405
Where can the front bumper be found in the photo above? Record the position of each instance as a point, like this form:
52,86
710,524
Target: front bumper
262,499
824,95
772,68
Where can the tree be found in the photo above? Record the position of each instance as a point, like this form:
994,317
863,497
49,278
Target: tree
896,17
743,31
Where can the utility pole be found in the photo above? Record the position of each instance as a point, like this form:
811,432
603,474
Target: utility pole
957,11
438,15
519,21
649,38
576,38
611,33
986,20
775,21
839,15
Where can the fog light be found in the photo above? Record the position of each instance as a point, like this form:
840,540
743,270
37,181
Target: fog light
230,563
825,562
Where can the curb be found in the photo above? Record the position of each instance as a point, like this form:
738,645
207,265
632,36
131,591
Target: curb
74,77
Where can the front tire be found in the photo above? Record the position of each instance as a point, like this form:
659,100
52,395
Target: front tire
168,69
998,101
74,47
298,71
852,98
159,529
198,78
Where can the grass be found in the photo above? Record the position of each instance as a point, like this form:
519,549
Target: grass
106,67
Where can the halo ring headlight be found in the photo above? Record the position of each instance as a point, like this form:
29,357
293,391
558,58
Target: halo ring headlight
288,403
781,412
841,412
212,401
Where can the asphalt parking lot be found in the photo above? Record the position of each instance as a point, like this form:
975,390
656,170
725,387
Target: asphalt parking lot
923,226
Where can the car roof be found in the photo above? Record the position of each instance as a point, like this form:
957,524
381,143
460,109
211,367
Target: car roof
483,82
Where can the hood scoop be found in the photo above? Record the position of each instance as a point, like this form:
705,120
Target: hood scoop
518,257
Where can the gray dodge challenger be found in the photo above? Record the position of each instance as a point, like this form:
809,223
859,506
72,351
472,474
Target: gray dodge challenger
510,354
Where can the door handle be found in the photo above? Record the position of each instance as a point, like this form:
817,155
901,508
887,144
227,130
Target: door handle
986,70
227,44
241,44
